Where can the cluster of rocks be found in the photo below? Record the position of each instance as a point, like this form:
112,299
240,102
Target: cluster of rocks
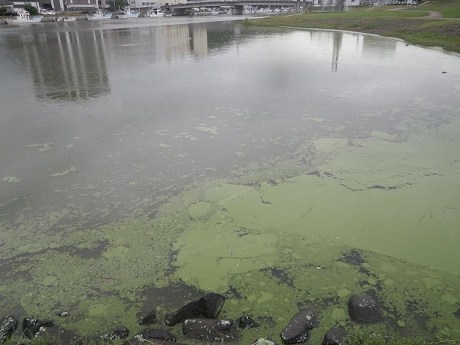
199,322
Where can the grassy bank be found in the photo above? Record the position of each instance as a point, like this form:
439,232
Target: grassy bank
433,24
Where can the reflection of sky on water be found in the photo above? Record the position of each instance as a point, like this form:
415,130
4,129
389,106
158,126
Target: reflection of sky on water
125,108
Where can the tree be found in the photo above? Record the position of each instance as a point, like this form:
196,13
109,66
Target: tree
3,11
31,9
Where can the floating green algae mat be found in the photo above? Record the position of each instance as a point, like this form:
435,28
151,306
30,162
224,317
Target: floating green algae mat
271,246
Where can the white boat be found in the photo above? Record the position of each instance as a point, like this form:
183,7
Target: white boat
154,13
127,13
24,17
66,19
99,15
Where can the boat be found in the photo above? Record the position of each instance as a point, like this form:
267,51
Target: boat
66,19
127,13
154,13
24,17
99,15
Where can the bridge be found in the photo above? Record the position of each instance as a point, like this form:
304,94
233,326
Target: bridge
236,5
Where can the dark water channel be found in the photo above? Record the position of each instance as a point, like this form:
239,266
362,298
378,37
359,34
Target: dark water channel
146,161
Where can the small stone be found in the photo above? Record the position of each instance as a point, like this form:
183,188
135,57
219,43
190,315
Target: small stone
63,314
364,309
159,334
31,326
247,322
335,336
117,333
8,325
264,341
209,330
297,331
149,319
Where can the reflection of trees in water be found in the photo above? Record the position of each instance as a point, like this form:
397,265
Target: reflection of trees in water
374,46
68,66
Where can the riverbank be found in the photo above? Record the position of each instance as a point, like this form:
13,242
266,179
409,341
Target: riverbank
433,24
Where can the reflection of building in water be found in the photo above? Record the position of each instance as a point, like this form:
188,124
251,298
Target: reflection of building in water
374,46
336,46
199,40
323,39
158,43
177,40
70,66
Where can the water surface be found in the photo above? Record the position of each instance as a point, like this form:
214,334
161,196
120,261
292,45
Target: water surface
146,161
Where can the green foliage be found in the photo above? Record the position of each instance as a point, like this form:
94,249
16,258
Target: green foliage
31,9
3,10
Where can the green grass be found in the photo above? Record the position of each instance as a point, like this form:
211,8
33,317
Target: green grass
448,8
410,24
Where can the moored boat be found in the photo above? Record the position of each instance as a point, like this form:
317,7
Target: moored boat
24,17
154,13
128,13
99,15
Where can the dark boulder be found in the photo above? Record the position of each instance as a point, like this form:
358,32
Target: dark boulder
247,322
31,326
8,325
117,333
207,306
297,331
335,336
148,319
364,309
158,334
210,330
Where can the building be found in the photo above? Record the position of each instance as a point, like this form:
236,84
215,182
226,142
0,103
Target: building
75,5
154,3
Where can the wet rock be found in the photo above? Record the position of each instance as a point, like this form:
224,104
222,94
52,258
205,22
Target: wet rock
457,313
335,336
297,331
8,325
247,322
138,340
117,333
264,341
148,319
158,334
31,326
364,309
210,330
207,306
59,335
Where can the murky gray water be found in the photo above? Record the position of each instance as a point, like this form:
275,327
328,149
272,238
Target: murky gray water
105,121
